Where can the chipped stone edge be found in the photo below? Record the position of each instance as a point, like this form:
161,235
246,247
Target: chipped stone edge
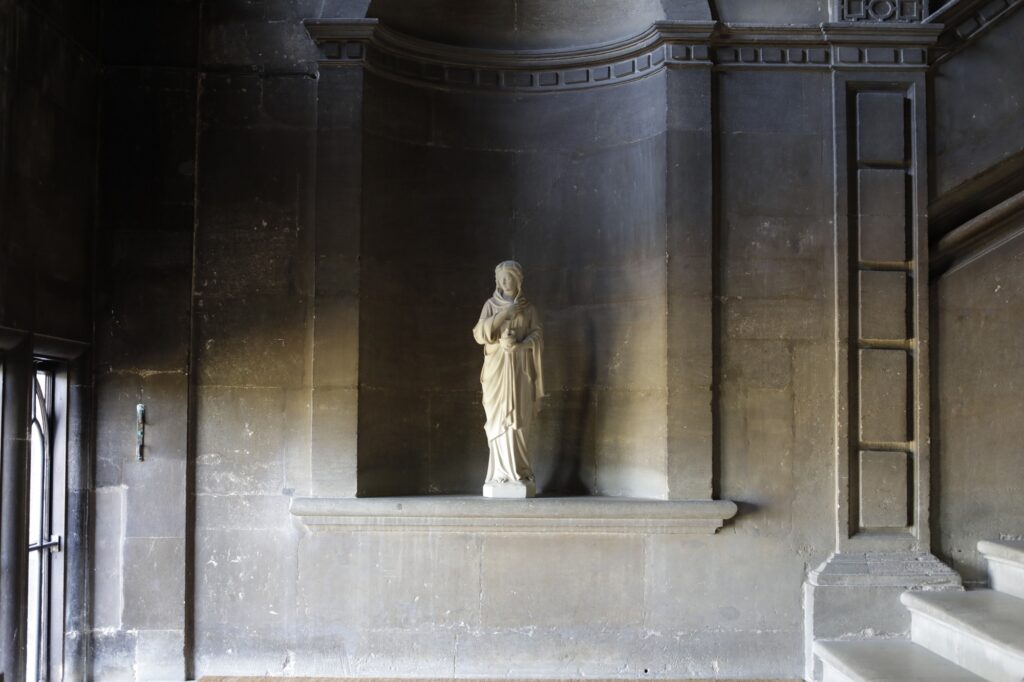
909,570
459,514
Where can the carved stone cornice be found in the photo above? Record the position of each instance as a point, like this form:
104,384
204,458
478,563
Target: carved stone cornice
878,46
881,46
341,41
406,57
754,45
979,235
857,45
965,21
411,47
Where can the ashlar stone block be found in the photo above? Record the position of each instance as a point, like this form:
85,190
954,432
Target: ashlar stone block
159,655
242,512
154,583
684,591
107,593
255,341
563,456
155,502
775,319
388,581
333,456
690,442
240,441
630,443
457,453
243,583
112,654
539,581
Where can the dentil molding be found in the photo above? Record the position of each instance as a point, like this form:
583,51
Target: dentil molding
877,46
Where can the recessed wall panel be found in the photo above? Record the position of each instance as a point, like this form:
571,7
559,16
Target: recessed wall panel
883,305
883,395
883,489
880,128
882,214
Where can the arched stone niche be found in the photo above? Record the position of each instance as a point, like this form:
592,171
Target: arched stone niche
521,25
560,157
572,185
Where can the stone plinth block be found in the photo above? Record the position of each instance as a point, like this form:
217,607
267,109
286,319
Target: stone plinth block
510,490
855,596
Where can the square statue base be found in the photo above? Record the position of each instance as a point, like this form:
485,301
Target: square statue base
511,490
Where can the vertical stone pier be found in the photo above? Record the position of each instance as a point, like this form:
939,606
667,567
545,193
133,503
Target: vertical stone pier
883,546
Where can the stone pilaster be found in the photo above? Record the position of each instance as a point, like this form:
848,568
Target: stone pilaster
881,326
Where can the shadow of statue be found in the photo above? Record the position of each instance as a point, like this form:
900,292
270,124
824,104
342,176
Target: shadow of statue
574,450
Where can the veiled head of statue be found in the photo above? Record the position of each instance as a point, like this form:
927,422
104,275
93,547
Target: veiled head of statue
506,270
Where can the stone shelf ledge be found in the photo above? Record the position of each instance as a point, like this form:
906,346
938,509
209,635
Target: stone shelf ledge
467,514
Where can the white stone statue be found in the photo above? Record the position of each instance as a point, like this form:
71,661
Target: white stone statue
512,380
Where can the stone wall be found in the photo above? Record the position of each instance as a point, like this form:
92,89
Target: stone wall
48,87
143,333
978,121
980,386
451,185
978,147
264,225
49,96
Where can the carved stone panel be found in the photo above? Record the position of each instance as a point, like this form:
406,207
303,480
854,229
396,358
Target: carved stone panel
882,10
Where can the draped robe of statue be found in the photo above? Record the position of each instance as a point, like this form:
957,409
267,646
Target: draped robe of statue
513,383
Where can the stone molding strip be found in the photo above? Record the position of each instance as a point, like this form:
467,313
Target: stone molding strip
397,55
462,514
341,41
858,45
980,235
43,344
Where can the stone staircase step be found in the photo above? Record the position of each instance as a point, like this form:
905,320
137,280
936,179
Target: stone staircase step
882,660
980,630
1005,565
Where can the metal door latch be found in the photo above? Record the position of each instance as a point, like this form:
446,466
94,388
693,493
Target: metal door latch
140,430
53,544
